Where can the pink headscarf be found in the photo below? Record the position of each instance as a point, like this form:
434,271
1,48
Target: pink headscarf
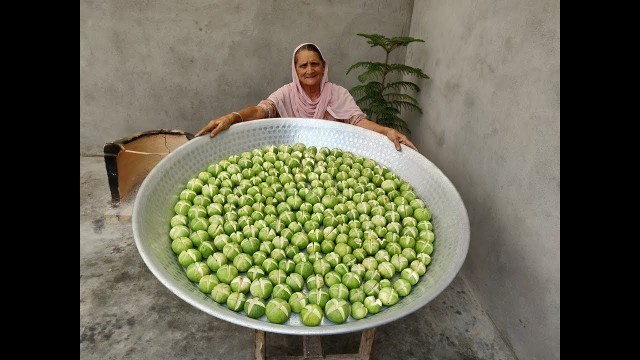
292,101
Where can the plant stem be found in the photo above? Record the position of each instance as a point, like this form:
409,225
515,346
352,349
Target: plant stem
384,73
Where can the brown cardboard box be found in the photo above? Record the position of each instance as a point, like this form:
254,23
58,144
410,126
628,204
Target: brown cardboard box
129,160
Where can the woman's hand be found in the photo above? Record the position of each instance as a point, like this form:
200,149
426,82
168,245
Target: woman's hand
399,138
214,127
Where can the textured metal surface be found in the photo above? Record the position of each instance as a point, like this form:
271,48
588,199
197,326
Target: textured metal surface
153,209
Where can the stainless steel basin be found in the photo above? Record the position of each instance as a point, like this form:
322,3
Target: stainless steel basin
153,208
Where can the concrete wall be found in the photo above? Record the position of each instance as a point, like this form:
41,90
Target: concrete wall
491,122
177,64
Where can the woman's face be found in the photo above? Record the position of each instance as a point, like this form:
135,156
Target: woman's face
309,68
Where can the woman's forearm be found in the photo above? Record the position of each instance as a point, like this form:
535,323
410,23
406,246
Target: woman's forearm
393,134
370,125
215,126
247,114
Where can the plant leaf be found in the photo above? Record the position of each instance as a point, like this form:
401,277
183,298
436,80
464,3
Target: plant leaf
407,70
404,85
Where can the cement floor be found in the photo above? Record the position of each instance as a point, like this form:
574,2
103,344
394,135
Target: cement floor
126,313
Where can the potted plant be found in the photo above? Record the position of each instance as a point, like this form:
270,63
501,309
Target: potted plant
380,99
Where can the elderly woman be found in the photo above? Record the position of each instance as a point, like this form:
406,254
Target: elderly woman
309,95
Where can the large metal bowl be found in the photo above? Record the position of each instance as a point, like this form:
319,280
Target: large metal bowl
158,193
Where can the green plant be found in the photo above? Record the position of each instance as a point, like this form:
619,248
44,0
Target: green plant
382,101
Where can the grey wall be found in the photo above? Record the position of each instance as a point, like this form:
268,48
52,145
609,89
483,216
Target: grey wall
177,64
491,122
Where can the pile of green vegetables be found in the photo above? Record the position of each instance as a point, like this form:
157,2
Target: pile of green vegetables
320,232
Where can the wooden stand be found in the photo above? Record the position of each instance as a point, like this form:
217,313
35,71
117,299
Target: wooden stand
312,348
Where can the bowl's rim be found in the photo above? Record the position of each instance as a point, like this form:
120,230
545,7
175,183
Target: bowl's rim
242,320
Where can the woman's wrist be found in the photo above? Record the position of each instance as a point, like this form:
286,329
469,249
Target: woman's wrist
235,118
238,115
385,130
